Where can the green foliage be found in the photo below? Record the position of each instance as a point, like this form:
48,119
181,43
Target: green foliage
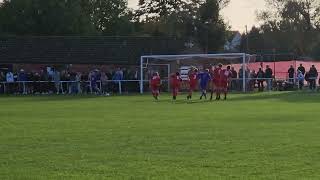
252,136
196,20
291,25
56,17
50,17
111,17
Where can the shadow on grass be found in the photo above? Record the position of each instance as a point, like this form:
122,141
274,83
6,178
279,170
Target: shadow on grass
293,97
51,97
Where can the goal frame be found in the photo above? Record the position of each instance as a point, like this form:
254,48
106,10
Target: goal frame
143,59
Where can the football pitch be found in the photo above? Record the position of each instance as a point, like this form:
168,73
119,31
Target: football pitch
252,136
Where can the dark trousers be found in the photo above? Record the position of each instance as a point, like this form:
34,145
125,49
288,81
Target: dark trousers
301,83
312,84
260,85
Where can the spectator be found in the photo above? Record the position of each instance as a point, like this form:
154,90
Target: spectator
291,74
260,77
10,81
268,75
73,83
85,86
302,69
2,79
57,79
300,78
253,77
313,76
44,84
65,77
234,80
36,83
78,82
22,78
9,77
117,78
93,76
240,80
104,83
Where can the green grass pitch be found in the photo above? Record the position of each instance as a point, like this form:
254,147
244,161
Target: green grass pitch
254,136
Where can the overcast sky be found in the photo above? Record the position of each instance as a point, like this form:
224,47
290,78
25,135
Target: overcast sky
239,12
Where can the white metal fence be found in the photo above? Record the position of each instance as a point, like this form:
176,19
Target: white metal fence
133,86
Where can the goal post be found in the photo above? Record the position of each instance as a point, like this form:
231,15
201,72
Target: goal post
174,62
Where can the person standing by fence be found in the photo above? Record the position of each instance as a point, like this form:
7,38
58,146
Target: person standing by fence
104,83
300,78
260,77
291,74
302,69
269,75
22,78
313,73
10,82
234,81
117,78
56,80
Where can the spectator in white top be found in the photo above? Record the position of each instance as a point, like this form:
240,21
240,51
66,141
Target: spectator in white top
10,80
300,78
9,77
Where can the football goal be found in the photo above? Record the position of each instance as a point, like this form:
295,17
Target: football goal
167,64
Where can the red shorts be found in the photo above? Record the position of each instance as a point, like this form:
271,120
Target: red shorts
192,86
220,86
175,91
155,89
224,86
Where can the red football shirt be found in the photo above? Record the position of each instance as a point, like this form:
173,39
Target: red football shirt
175,81
155,81
193,78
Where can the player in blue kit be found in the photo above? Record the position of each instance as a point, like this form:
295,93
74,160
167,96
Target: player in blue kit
204,81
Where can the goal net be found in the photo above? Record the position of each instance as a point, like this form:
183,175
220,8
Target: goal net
168,64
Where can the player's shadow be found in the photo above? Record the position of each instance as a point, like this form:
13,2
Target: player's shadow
292,97
47,98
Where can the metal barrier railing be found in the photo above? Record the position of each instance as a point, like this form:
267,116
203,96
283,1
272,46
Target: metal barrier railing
65,87
69,87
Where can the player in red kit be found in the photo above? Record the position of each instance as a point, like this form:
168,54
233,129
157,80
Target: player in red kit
155,84
175,80
193,82
225,79
217,82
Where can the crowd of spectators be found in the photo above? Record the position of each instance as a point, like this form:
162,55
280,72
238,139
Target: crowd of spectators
68,81
264,79
115,80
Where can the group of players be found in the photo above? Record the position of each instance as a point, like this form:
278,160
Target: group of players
219,77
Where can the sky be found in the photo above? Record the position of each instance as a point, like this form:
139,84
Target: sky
238,14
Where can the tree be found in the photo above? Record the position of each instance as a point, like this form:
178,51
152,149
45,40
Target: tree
194,20
291,25
50,17
111,17
68,17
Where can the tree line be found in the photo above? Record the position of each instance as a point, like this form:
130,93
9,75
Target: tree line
194,20
286,26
